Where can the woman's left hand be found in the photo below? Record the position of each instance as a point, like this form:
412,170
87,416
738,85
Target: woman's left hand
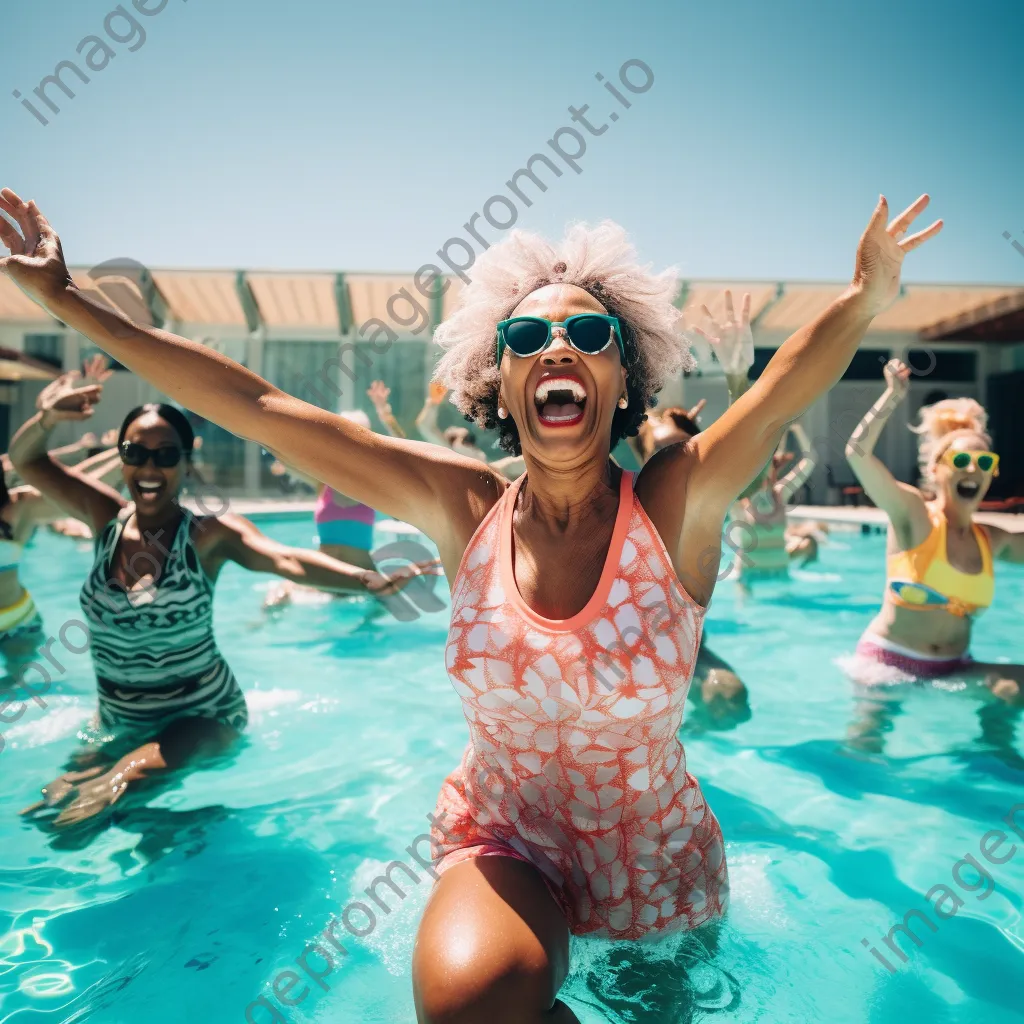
881,251
86,793
93,797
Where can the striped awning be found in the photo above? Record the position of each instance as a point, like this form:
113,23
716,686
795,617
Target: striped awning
15,305
712,294
295,300
207,297
15,366
395,300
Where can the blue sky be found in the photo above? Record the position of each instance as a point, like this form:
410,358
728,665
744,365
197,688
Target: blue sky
332,135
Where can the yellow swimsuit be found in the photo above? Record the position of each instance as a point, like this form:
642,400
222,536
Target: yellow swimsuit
923,578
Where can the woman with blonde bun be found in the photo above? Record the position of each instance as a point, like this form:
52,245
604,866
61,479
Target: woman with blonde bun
940,562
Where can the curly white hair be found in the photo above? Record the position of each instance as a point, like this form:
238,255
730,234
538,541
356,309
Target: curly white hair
599,259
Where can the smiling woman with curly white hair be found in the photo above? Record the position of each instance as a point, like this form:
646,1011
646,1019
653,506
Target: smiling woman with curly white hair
578,592
600,261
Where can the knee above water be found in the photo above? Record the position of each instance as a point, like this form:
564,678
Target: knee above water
490,984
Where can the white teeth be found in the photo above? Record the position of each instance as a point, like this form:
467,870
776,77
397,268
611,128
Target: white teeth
149,487
545,387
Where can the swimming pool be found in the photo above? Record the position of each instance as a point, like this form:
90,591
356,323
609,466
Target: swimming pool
192,907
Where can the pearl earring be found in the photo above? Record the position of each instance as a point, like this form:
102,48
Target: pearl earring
623,402
502,413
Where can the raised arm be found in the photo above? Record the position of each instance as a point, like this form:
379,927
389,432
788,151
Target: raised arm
732,450
902,503
789,484
426,422
378,393
105,465
439,491
69,488
1007,546
711,471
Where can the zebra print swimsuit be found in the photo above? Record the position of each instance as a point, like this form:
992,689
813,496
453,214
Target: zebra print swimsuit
153,649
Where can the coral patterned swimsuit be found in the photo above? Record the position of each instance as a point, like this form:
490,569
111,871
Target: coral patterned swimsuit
574,764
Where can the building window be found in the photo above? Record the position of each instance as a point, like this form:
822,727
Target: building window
867,363
46,348
937,364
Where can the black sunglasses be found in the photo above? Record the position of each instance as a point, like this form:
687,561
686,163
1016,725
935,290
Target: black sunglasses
588,333
164,457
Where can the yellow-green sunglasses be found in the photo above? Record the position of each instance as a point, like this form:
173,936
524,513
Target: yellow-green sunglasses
987,462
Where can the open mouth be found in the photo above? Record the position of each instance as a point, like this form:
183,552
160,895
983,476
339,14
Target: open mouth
560,401
967,489
148,489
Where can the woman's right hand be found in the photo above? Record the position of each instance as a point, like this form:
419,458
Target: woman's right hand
36,264
62,400
897,379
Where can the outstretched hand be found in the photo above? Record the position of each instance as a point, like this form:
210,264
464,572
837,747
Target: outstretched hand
63,399
36,261
897,378
381,585
64,789
731,340
378,393
695,410
97,368
881,251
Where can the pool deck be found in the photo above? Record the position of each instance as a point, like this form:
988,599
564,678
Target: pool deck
847,515
862,515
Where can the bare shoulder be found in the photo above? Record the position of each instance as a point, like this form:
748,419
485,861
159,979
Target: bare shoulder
664,490
212,532
998,538
486,487
663,483
471,495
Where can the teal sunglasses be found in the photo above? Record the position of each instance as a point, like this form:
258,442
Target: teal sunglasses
588,333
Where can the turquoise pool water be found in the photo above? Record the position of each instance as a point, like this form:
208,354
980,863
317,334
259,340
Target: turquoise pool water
189,908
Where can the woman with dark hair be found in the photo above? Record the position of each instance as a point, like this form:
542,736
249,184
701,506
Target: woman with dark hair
572,810
148,600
